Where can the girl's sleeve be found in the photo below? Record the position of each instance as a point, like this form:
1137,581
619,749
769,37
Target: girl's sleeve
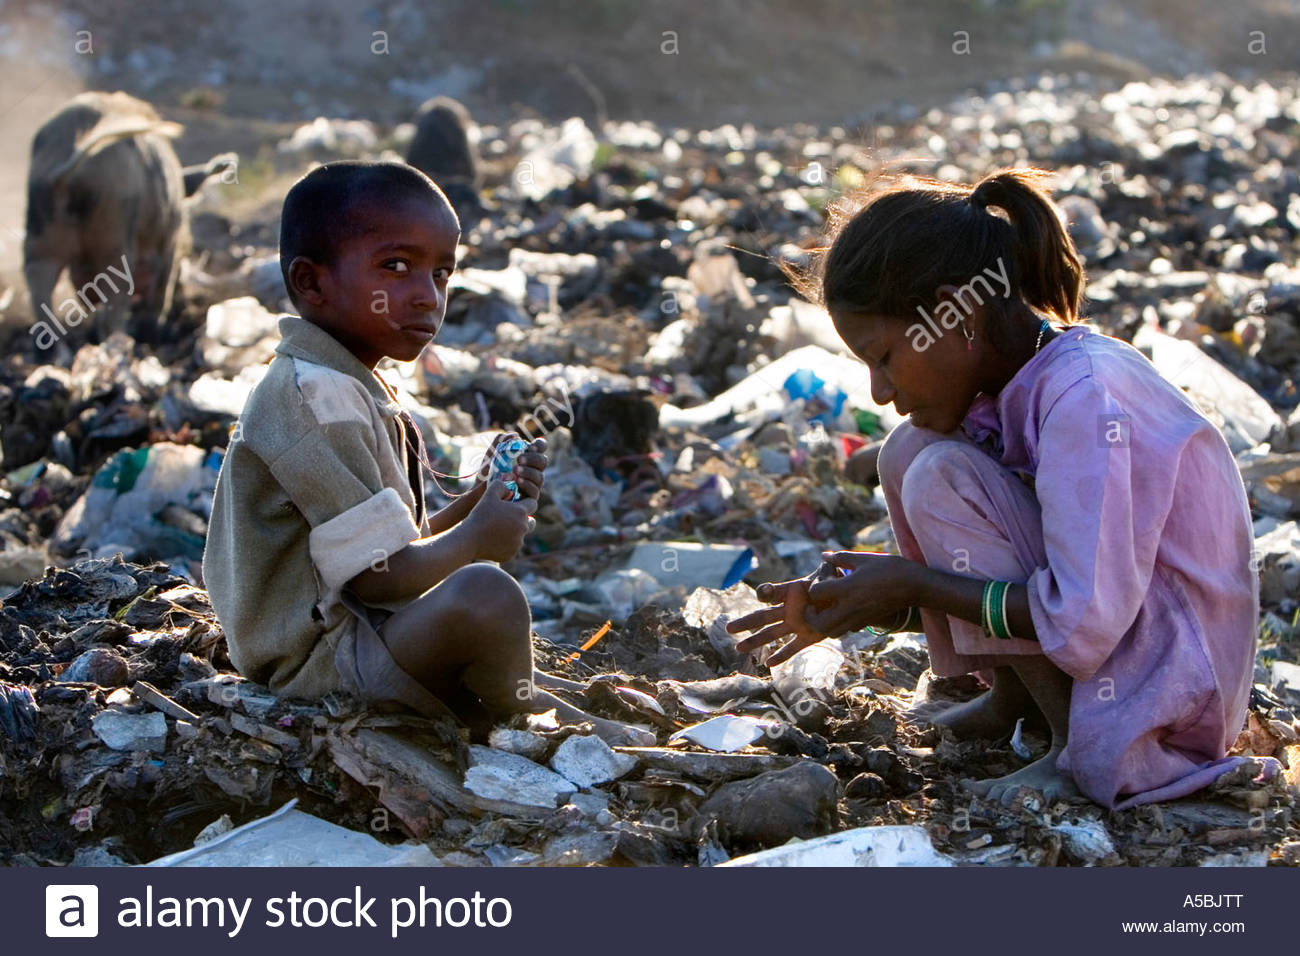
1102,521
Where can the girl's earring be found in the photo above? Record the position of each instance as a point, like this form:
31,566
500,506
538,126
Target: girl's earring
970,337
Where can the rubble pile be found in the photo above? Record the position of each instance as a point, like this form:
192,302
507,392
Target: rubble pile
127,738
621,294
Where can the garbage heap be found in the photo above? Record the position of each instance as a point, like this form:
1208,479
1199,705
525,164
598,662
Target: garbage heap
128,738
620,294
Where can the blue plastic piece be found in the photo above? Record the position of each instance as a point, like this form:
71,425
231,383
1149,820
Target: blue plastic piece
740,567
806,384
503,464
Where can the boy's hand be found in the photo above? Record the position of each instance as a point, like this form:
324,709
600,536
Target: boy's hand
529,469
496,526
529,466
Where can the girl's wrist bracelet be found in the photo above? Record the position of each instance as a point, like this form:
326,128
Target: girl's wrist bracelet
910,621
993,610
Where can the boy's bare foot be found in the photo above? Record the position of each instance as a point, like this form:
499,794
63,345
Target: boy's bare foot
1041,775
555,682
613,732
618,734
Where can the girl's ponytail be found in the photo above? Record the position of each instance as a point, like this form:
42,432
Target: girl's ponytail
897,243
1048,267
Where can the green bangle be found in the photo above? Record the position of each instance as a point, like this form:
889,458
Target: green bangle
1006,627
909,617
993,610
985,621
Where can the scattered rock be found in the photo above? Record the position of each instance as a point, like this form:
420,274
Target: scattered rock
866,786
100,665
496,775
131,732
773,807
587,761
521,742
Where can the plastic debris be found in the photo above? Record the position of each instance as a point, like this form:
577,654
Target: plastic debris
239,333
865,846
154,500
556,160
726,733
1086,840
691,564
290,837
1018,743
18,712
131,731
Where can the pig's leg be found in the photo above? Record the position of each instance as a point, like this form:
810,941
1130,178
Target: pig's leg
157,280
42,274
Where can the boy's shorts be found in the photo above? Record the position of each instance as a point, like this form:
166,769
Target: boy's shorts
367,669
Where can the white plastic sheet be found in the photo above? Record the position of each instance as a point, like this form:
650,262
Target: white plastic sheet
290,837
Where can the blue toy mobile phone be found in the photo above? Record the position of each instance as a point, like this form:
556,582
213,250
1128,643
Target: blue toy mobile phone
503,464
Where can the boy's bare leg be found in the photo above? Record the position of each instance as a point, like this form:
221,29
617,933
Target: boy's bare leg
991,715
1050,688
611,731
476,655
555,682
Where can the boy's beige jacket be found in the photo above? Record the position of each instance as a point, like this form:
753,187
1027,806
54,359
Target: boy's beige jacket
313,491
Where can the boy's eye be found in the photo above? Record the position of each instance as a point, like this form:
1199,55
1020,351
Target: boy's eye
442,275
397,265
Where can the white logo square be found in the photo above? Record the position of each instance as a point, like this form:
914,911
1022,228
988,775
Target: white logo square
72,910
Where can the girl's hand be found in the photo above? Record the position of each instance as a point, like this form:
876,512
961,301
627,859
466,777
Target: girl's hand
875,592
786,618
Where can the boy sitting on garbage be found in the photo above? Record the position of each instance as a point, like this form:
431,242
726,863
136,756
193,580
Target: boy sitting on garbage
323,566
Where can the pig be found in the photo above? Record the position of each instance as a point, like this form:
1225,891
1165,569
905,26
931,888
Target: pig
441,149
105,198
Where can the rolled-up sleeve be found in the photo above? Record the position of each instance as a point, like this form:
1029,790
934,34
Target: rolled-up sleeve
332,475
1102,524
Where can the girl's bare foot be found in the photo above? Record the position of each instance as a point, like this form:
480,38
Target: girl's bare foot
991,715
1041,775
984,717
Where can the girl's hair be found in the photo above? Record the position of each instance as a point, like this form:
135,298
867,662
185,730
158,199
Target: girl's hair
893,246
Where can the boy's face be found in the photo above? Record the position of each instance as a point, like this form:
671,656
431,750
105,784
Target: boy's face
385,295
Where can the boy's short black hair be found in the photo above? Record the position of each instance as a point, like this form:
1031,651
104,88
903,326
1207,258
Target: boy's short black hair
320,210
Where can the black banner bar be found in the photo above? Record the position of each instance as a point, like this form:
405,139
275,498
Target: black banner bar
652,911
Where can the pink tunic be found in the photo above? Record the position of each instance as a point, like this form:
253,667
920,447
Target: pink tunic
1103,488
